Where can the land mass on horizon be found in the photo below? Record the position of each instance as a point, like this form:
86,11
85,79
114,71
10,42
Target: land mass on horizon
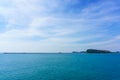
96,51
88,51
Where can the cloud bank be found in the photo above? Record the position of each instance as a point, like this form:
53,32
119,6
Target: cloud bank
59,25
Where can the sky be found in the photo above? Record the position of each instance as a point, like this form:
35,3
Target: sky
59,25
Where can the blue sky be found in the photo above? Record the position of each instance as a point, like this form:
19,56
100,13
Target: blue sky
59,25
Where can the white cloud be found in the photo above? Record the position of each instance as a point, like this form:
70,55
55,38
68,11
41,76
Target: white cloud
27,19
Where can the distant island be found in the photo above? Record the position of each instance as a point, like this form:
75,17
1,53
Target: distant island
95,51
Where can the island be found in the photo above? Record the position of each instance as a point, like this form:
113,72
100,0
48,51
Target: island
97,51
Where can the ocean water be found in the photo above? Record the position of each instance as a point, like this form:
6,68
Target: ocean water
59,66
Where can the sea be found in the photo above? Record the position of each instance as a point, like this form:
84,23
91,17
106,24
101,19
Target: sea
53,66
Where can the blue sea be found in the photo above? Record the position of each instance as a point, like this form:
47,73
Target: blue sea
59,66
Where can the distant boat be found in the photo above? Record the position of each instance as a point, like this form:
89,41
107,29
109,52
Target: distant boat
75,52
59,52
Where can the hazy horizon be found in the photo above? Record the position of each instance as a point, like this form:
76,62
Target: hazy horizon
59,25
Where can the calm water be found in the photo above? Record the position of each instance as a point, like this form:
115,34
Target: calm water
59,67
